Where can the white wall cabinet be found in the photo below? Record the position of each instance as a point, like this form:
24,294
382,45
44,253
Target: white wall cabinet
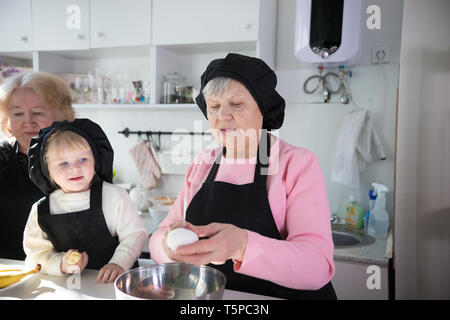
203,21
60,24
118,23
84,24
143,39
15,26
187,35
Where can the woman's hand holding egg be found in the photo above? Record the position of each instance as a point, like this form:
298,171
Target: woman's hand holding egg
178,234
179,237
224,241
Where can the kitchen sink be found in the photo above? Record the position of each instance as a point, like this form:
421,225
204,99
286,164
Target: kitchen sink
345,237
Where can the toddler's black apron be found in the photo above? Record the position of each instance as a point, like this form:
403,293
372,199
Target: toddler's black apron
18,194
83,230
247,207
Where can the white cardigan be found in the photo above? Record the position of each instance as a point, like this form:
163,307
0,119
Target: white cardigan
121,216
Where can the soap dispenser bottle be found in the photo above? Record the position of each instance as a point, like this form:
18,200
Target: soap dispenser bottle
379,218
354,212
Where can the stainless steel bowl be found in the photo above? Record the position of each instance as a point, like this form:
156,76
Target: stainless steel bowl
173,281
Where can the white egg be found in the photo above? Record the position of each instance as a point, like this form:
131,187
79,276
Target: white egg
180,236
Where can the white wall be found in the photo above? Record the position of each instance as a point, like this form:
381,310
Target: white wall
317,126
422,228
314,125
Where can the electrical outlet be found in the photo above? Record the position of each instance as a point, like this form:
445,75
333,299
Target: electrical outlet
386,56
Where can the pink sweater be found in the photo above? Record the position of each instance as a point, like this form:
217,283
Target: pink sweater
297,196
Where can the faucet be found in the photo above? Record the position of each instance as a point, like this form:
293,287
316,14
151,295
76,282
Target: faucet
335,219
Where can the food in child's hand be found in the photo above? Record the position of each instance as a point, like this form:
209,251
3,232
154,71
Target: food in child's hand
74,257
180,236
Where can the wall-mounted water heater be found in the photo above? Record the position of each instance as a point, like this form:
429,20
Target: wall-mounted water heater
327,31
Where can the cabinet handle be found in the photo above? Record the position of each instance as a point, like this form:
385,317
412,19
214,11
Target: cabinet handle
23,38
99,34
245,25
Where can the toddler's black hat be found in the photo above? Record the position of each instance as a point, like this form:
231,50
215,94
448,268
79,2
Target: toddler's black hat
258,78
89,130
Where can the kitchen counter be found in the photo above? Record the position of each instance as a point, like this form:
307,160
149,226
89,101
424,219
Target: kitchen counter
81,287
377,253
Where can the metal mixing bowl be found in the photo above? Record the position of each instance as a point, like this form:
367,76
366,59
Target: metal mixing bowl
175,281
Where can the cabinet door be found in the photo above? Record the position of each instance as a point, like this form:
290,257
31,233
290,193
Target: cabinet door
202,21
118,23
15,25
60,24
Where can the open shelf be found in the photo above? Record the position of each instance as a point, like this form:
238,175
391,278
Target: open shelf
141,107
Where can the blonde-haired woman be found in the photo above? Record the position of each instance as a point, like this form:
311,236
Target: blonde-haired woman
28,103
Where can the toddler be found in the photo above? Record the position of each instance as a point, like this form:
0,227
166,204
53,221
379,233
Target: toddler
71,162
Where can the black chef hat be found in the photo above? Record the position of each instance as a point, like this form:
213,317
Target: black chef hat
258,78
94,135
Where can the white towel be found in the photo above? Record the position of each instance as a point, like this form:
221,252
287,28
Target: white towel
357,147
148,168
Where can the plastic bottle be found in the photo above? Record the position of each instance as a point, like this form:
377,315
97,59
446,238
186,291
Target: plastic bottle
379,218
354,213
372,198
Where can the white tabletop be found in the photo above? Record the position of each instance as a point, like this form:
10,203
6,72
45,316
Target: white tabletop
80,287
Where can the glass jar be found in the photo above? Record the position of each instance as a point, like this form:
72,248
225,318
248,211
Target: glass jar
172,88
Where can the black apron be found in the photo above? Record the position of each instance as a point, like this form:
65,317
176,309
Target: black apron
245,206
17,195
83,230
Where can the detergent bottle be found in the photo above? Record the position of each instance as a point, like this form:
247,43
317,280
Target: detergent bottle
379,218
354,212
372,198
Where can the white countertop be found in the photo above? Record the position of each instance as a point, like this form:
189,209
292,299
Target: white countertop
80,287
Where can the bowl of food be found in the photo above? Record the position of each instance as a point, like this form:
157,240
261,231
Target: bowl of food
163,201
171,281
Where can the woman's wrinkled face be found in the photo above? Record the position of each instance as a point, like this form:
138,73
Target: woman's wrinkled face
235,118
27,115
71,169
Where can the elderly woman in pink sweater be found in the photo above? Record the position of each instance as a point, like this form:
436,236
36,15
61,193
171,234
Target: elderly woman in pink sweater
258,204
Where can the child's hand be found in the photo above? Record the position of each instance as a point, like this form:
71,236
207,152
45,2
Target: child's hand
67,265
109,273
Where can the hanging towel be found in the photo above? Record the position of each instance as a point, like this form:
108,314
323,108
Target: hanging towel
357,147
148,168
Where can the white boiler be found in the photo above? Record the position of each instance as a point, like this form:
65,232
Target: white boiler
327,31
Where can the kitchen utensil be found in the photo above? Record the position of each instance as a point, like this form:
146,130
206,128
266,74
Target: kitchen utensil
172,281
158,213
172,88
139,93
186,93
140,197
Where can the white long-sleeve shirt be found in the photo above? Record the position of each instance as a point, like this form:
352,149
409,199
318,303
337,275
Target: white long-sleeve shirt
122,220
